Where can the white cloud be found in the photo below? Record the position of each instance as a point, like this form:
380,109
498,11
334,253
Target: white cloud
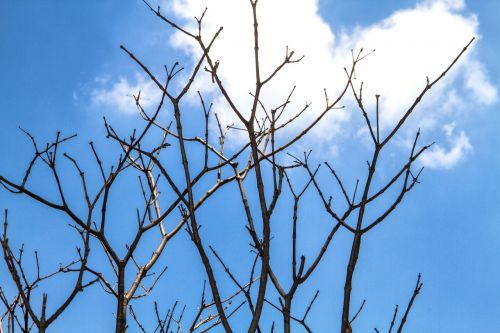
440,158
410,44
477,81
119,95
448,4
297,26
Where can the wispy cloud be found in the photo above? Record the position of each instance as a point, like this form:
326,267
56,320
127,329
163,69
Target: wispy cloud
476,80
440,158
119,95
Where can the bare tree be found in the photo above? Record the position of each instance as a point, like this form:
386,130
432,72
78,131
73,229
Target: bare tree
170,204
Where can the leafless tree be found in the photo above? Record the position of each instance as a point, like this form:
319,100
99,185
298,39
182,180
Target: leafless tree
170,205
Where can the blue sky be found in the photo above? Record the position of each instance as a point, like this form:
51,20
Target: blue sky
62,69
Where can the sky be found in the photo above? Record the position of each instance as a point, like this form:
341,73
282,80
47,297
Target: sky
62,69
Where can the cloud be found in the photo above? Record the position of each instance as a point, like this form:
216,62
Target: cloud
477,82
418,42
299,27
440,158
119,95
410,44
